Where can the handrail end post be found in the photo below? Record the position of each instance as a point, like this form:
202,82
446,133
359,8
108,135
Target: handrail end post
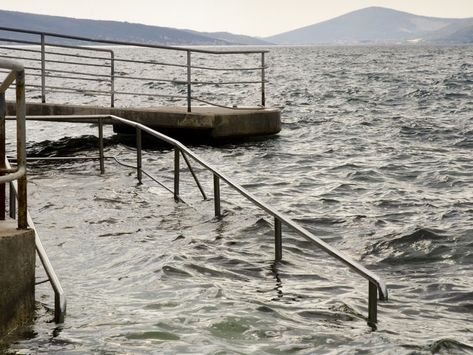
277,239
217,207
372,305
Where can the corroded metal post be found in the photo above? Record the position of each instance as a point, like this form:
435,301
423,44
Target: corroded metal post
101,154
112,79
189,85
2,153
20,147
138,155
176,174
372,305
263,78
43,69
277,239
217,196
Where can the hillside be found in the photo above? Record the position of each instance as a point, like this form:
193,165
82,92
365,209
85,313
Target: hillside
114,30
378,25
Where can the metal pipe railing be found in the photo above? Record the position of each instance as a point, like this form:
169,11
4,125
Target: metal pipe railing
46,60
7,174
376,286
59,295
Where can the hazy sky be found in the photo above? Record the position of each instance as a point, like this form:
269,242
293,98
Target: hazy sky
251,17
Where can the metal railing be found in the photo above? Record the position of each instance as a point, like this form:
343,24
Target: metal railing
16,177
376,286
51,61
59,295
16,73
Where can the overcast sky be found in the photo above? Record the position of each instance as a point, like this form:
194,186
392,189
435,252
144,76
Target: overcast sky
250,17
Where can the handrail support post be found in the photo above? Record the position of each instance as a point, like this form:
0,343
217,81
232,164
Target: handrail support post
101,153
176,174
139,155
189,84
277,239
2,153
43,68
372,304
263,79
218,213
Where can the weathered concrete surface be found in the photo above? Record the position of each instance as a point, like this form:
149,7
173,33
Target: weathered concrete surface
207,122
17,276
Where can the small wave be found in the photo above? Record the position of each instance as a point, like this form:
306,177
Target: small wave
66,146
423,245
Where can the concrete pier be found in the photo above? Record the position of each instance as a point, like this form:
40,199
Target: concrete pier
17,276
211,123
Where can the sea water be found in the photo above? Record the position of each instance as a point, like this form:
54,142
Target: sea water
375,157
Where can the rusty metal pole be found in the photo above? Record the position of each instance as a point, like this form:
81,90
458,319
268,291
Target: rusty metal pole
43,69
20,147
189,86
217,208
101,154
263,79
112,79
176,174
139,158
277,239
2,153
372,305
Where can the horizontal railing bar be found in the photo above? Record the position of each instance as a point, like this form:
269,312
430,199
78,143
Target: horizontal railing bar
150,62
226,82
73,72
353,265
20,49
229,107
68,91
84,48
77,55
20,58
72,77
22,41
185,65
228,69
77,63
123,43
149,79
150,95
67,77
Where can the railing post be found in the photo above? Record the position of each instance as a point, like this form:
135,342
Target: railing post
43,69
12,201
112,79
176,174
263,78
277,238
217,196
372,305
101,154
2,153
138,155
20,148
189,85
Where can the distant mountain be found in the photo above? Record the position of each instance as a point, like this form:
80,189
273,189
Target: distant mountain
114,30
234,38
379,25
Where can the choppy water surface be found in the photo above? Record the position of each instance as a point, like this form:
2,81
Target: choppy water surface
375,157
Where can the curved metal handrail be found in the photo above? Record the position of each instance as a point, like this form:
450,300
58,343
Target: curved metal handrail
376,285
17,74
